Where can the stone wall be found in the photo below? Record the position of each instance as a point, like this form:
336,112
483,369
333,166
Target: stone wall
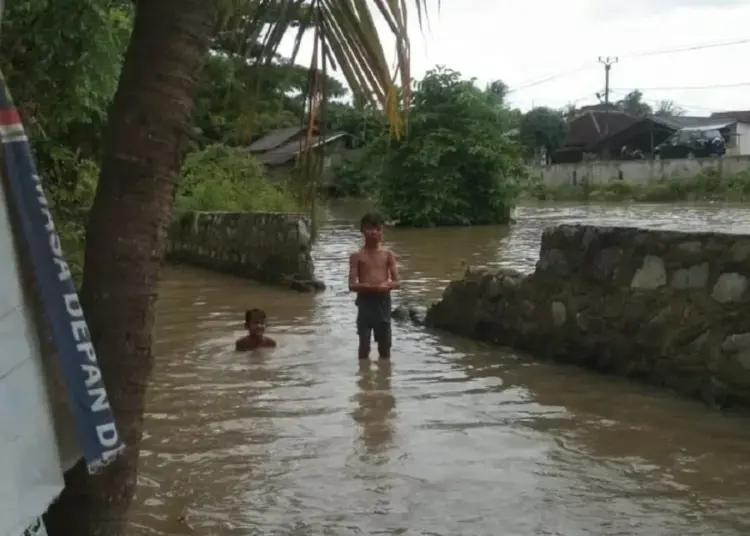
636,171
268,247
665,307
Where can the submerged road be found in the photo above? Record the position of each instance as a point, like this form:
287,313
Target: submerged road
454,438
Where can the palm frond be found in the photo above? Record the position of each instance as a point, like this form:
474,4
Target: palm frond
346,36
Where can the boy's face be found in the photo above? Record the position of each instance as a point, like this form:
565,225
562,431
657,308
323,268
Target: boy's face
372,233
256,325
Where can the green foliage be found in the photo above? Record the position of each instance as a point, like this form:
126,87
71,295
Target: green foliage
226,178
238,102
364,124
542,127
708,185
242,95
69,204
62,62
633,104
359,172
456,166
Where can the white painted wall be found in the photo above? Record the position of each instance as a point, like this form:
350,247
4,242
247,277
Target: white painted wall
641,171
742,145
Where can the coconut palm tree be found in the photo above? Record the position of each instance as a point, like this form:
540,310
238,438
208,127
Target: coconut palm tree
144,148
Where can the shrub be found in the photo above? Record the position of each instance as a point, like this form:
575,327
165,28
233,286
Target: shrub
456,166
226,178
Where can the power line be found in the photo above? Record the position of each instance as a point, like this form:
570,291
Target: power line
641,54
684,88
550,78
684,105
686,48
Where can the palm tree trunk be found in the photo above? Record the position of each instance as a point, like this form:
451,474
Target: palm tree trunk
126,237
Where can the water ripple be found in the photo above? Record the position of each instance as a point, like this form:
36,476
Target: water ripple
455,437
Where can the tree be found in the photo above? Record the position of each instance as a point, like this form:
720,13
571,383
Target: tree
570,111
457,166
633,104
497,92
143,152
542,127
238,101
61,61
668,108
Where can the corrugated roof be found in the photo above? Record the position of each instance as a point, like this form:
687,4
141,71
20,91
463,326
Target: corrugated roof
716,125
285,153
588,129
683,121
274,139
742,116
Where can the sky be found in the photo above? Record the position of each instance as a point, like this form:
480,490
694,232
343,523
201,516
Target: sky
524,42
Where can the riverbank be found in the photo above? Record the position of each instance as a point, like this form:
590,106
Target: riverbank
706,186
664,307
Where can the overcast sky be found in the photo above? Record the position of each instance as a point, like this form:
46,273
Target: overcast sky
521,42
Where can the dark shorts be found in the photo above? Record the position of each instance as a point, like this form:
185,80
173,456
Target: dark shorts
374,318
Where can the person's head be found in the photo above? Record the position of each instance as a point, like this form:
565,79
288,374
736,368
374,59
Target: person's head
371,225
255,321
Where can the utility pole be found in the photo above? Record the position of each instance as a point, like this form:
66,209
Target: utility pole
607,62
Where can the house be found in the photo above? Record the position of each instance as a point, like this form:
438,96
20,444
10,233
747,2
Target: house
279,150
588,129
741,139
648,132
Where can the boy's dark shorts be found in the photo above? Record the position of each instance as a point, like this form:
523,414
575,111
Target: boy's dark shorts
374,319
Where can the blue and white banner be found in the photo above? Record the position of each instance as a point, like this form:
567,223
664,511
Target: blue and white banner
87,396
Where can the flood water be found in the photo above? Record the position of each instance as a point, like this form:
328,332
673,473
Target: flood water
454,438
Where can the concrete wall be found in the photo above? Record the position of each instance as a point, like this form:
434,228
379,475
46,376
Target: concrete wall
664,307
268,247
637,171
741,139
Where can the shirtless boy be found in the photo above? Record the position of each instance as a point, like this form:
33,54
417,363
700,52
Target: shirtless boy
255,323
372,275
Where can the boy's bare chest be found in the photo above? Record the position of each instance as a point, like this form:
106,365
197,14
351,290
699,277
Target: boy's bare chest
373,262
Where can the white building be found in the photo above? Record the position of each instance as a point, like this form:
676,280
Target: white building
739,132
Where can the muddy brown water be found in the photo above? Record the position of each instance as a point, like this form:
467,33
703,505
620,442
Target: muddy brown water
454,438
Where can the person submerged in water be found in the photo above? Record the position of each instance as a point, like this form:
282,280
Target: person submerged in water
373,275
255,323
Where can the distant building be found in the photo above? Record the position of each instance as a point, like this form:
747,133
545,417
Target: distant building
588,129
604,133
279,150
650,131
742,129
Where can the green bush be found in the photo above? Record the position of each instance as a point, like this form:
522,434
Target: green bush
358,174
226,178
455,166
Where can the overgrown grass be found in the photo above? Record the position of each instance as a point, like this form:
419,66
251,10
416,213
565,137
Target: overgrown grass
217,178
226,178
708,185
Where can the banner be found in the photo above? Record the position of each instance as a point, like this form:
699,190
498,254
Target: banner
31,475
87,396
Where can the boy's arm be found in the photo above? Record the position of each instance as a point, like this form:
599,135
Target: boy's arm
354,284
268,342
394,282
